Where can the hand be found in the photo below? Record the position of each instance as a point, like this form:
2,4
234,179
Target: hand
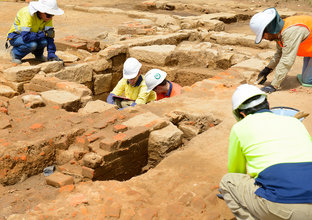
262,77
268,89
50,33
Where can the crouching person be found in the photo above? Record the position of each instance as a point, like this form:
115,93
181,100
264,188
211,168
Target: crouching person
33,30
155,80
131,89
269,162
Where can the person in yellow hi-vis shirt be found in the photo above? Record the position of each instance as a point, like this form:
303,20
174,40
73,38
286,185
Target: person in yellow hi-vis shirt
269,162
132,86
33,30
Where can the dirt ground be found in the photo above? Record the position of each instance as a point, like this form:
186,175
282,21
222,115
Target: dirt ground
19,198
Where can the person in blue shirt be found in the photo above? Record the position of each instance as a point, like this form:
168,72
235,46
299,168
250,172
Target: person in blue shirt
33,30
269,162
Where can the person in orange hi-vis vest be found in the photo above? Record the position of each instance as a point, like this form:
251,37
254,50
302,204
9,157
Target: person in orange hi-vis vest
292,37
155,80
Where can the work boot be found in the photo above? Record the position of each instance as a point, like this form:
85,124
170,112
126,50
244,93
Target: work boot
14,59
268,89
41,58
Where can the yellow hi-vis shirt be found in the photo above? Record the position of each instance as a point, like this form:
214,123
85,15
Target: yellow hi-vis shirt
25,22
137,93
264,139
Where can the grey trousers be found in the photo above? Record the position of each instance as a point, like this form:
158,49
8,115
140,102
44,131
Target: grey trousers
238,191
307,70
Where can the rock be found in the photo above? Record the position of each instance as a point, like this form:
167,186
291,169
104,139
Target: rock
7,91
156,54
21,73
147,119
251,64
58,179
67,57
33,101
95,106
64,99
163,141
91,160
49,67
80,73
102,83
101,65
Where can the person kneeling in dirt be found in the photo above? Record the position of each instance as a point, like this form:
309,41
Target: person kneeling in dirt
292,37
269,162
33,30
132,85
155,80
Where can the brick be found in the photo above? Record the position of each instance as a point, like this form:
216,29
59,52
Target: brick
120,128
87,172
67,188
95,136
104,123
36,126
58,179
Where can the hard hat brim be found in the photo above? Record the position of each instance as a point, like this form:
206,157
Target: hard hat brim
43,9
260,21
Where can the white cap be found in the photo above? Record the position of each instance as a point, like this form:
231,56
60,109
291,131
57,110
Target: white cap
131,68
243,93
259,21
153,78
47,6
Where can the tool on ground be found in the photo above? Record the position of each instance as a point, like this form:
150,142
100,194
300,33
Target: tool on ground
288,111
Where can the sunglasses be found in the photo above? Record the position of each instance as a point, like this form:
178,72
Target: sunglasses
49,15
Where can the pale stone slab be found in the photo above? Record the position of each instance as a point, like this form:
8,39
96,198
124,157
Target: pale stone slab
21,73
95,106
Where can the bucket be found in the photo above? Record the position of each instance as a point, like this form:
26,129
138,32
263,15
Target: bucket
285,111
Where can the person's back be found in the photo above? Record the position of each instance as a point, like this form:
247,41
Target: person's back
269,162
267,139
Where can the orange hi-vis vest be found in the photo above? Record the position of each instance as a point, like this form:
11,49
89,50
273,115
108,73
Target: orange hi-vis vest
305,47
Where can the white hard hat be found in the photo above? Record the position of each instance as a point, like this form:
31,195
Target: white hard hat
131,68
47,6
153,78
243,93
259,22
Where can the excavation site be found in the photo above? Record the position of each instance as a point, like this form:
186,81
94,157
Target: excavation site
65,153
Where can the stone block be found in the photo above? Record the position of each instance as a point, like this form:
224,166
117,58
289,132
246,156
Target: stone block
64,99
112,51
87,172
21,73
251,64
64,156
80,73
163,141
156,54
58,179
144,119
120,128
7,91
50,67
92,160
133,136
102,83
33,101
109,144
101,65
73,87
195,54
95,106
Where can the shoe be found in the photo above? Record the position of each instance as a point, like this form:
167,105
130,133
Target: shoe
41,58
268,89
14,59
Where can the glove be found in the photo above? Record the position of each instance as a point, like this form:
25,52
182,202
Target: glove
53,57
50,33
268,89
110,99
262,77
133,104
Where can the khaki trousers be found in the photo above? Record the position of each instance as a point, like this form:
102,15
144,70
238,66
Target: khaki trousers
238,191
